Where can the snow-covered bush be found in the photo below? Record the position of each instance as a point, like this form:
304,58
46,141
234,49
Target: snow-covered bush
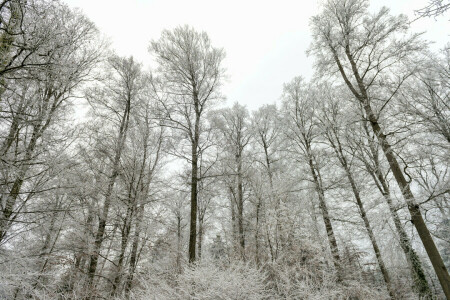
208,281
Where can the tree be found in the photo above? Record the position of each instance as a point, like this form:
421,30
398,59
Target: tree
266,128
233,125
36,105
365,148
301,109
113,101
374,57
191,75
333,125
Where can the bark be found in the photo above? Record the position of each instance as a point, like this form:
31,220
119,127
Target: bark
233,219
200,237
240,208
179,243
195,139
194,189
273,248
258,209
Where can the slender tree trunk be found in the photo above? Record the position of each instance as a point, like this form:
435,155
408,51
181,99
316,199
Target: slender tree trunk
200,237
193,224
273,248
233,220
17,185
326,217
123,245
240,208
340,155
194,179
107,252
134,250
258,209
179,243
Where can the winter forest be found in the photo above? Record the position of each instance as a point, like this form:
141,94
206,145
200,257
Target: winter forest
120,180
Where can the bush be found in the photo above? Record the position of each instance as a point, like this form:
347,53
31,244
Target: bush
208,280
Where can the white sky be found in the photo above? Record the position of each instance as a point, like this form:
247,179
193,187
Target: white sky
265,41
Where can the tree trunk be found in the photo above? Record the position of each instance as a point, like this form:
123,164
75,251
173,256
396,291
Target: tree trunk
193,222
326,217
124,243
258,209
340,155
179,244
240,208
17,185
200,237
134,250
195,139
233,220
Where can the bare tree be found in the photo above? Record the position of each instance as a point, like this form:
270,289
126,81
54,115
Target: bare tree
113,100
300,107
266,128
191,73
233,124
433,9
333,124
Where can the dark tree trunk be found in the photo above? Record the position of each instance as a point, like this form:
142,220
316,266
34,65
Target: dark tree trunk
124,243
200,237
414,210
240,208
194,185
134,250
258,209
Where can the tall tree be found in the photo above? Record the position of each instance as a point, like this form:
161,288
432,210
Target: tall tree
113,101
191,74
301,109
234,128
333,123
266,129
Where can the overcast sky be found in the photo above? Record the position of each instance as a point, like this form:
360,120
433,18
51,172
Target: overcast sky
265,41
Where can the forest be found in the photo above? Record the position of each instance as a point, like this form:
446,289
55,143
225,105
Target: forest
125,181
